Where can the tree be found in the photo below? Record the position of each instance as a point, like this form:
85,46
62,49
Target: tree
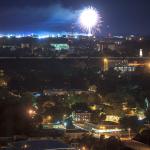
131,122
114,109
147,113
14,119
95,117
72,99
113,144
27,99
80,106
143,136
93,98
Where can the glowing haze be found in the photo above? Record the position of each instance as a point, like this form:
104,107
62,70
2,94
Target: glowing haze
89,19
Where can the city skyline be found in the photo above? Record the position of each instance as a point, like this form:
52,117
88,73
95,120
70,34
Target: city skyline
119,17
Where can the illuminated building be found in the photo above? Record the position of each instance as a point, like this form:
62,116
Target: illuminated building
25,45
59,47
92,88
47,119
123,66
125,69
112,118
63,92
111,45
3,82
106,64
75,134
93,108
141,115
81,116
141,53
141,38
11,47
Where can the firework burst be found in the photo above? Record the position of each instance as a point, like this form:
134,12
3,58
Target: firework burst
90,20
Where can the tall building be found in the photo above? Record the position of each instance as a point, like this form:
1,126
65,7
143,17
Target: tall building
141,53
3,82
106,64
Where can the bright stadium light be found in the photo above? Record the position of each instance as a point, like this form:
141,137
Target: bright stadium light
89,19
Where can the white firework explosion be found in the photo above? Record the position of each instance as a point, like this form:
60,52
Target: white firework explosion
90,20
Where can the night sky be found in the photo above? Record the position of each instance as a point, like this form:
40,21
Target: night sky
119,16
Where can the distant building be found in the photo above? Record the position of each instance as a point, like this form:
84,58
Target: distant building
141,53
11,47
81,116
3,82
106,64
49,92
112,118
112,46
59,47
101,46
92,88
125,68
75,134
120,65
25,45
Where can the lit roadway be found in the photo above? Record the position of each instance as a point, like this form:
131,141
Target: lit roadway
135,145
107,132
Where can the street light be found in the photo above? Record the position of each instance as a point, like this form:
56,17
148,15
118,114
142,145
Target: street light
83,148
148,65
129,133
31,113
105,64
49,118
105,60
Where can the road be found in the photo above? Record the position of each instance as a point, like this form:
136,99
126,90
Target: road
135,145
106,132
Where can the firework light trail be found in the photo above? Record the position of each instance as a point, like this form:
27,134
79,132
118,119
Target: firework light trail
90,19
